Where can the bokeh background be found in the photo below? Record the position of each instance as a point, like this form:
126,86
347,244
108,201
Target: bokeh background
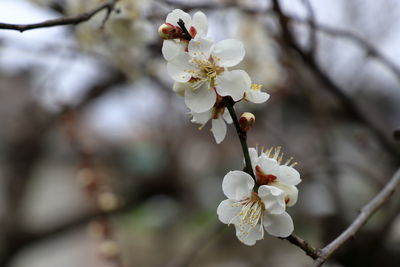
100,165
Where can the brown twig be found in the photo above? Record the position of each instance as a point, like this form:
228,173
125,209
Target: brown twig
313,42
307,248
68,20
242,137
371,50
366,212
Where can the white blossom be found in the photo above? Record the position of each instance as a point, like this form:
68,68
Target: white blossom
202,72
253,212
268,170
218,118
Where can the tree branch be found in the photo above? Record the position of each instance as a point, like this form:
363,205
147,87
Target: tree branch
348,103
366,212
242,137
313,42
69,20
307,248
371,50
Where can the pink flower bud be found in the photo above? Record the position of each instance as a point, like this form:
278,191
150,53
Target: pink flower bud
168,31
246,121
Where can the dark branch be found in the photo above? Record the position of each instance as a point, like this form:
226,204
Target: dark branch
70,20
242,136
307,248
371,50
313,34
185,32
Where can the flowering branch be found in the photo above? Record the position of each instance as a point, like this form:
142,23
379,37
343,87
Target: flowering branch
242,137
295,240
366,212
70,20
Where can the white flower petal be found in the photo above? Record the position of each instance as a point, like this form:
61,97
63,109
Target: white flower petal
228,210
200,24
280,225
256,96
268,165
179,67
228,52
233,83
289,175
218,128
291,192
171,48
249,235
179,88
253,156
200,48
201,99
273,199
201,118
237,185
176,14
227,117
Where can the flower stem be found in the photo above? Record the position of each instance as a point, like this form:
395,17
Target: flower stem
242,136
186,34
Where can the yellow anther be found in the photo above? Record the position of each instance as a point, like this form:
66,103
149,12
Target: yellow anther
256,87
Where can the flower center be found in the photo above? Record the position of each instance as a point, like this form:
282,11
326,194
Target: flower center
251,214
207,70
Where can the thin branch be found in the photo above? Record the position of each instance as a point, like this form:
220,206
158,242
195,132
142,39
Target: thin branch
366,212
242,137
313,33
371,50
347,102
307,248
69,20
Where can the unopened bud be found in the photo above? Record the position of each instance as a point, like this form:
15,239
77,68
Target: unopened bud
167,31
108,249
107,201
246,121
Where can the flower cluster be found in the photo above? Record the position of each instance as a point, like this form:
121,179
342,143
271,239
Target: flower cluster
252,212
202,75
200,69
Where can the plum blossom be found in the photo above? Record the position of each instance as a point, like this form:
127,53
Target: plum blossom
252,212
173,35
269,171
218,115
203,75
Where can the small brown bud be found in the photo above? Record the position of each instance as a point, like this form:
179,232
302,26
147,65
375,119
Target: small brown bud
246,121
